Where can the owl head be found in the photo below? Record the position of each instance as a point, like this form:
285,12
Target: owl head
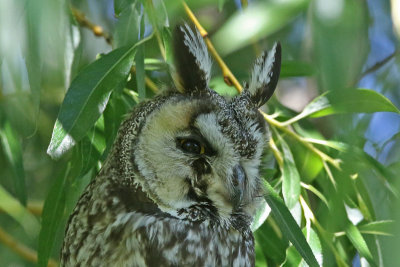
194,153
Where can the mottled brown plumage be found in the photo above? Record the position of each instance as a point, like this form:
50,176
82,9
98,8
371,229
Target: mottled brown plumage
181,184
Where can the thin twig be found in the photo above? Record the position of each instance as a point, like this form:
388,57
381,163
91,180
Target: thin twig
379,64
84,22
22,250
229,78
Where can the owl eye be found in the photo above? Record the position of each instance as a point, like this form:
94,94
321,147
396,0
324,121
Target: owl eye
192,146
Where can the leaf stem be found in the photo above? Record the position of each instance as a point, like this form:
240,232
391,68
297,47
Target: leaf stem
22,250
229,78
326,236
322,155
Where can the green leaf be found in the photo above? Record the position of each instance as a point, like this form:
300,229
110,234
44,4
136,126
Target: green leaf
255,22
87,98
347,101
291,177
34,57
359,243
13,207
120,5
221,4
127,28
261,215
289,226
13,151
271,242
340,42
291,68
293,258
377,228
52,216
140,74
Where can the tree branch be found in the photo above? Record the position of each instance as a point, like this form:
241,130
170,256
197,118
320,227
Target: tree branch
379,64
84,22
229,78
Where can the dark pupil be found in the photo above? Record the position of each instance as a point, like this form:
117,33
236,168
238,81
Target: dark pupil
191,146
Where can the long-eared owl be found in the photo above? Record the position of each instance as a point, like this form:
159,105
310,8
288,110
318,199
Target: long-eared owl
181,185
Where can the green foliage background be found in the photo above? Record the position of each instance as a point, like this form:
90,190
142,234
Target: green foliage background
332,186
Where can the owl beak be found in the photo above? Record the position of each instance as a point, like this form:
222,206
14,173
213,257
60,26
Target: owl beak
238,182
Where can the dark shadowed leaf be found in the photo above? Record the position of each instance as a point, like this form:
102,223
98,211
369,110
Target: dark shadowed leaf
12,148
87,98
288,225
272,243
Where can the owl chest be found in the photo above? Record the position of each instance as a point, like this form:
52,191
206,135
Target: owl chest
151,241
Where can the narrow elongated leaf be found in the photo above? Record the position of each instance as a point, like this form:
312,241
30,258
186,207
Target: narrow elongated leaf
293,258
13,150
255,22
359,243
289,226
87,97
260,217
377,228
291,177
127,28
139,60
52,216
13,207
271,242
120,5
347,101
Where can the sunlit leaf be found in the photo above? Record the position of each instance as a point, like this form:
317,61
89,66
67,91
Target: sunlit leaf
289,226
377,228
261,215
87,97
255,22
11,145
291,177
347,101
359,243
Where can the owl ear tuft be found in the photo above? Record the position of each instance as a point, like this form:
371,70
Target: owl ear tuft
264,76
192,62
